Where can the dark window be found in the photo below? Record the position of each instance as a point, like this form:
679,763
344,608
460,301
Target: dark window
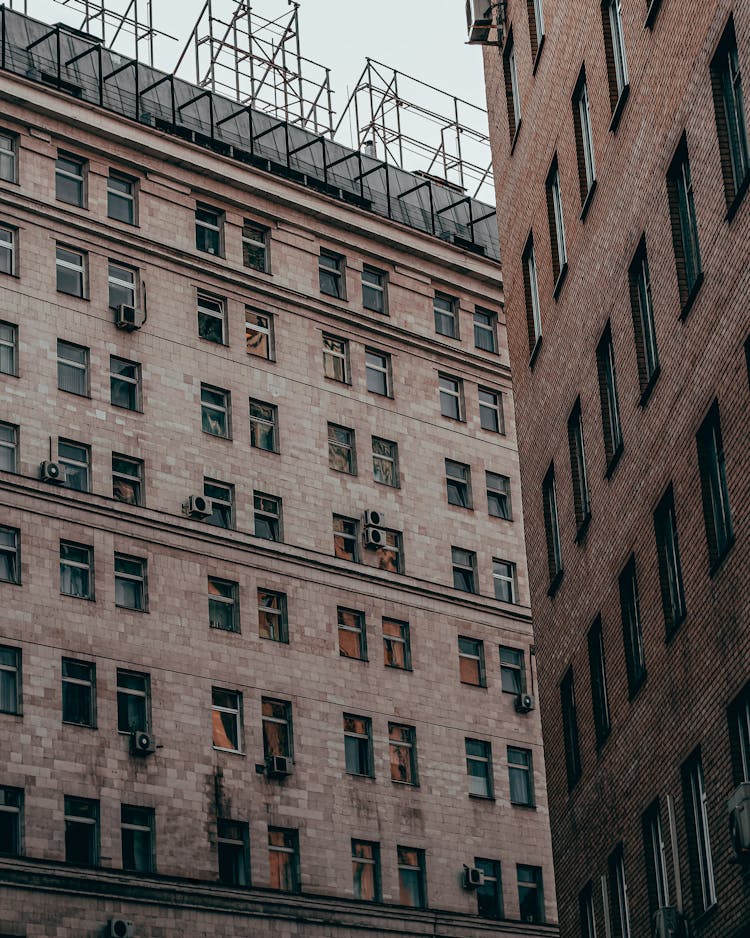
412,889
731,128
642,308
76,458
121,198
342,454
10,554
267,511
385,462
445,310
209,229
551,525
70,179
556,222
479,767
618,889
520,776
396,644
222,503
72,368
130,583
276,716
491,410
402,751
670,566
699,835
10,680
374,295
212,319
78,692
485,330
11,821
233,844
8,348
570,729
598,673
331,274
512,670
531,294
70,268
125,383
255,240
536,25
586,911
504,580
336,359
123,285
8,250
451,397
458,483
584,137
259,338
614,49
346,538
352,634
283,859
739,736
226,719
512,95
530,893
684,225
464,569
8,156
273,621
133,701
654,851
216,412
358,745
611,428
378,372
498,496
127,479
490,893
712,465
471,661
137,827
223,605
264,426
632,631
81,831
76,570
366,870
579,476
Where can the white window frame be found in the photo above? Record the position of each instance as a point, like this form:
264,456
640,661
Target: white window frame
377,286
457,394
125,196
213,307
130,285
79,269
11,431
529,260
699,800
614,13
587,138
140,579
382,367
490,328
484,760
336,354
496,408
259,242
235,711
505,578
557,206
260,329
9,155
8,245
11,344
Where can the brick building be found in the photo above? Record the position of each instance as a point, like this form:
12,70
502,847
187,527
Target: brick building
620,144
261,654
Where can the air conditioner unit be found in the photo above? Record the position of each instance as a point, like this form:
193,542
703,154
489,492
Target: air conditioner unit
278,766
199,506
473,877
373,518
142,743
669,923
479,20
738,807
120,928
52,472
128,318
524,703
374,537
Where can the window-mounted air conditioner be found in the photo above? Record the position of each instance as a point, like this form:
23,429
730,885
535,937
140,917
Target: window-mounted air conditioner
120,928
52,472
524,703
199,506
142,743
481,18
128,318
278,766
473,877
738,807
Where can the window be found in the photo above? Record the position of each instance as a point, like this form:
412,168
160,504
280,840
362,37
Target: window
130,583
632,631
10,555
127,479
385,462
70,172
7,250
479,767
614,48
670,566
464,569
336,359
267,511
276,716
498,496
81,831
699,836
446,315
402,753
352,634
581,502
283,859
123,285
8,349
8,156
611,428
504,580
491,411
490,893
259,339
124,383
264,426
458,483
556,225
273,621
76,570
642,307
11,820
536,26
121,198
531,294
451,397
76,458
78,692
346,538
10,680
72,368
584,138
209,230
330,274
373,290
739,735
226,718
390,555
411,877
255,240
396,644
684,223
512,670
551,526
215,411
8,447
133,702
726,81
358,745
233,845
471,661
137,830
512,96
570,729
342,454
712,465
366,870
619,893
520,776
378,372
485,330
598,673
70,267
586,911
212,325
223,604
656,860
530,893
222,503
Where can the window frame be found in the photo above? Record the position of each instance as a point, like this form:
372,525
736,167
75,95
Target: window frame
379,288
537,885
79,179
259,422
609,400
618,887
670,564
225,829
136,479
214,407
404,866
731,126
644,326
654,851
235,712
93,822
466,654
361,763
270,706
262,242
10,138
15,668
87,566
571,738
342,449
360,630
684,221
223,507
717,515
632,627
347,536
9,245
383,369
274,519
289,848
510,579
406,741
279,611
123,692
386,459
372,862
205,226
598,680
13,552
9,343
456,394
480,759
699,832
578,470
228,599
512,93
494,407
130,197
330,354
470,565
552,528
458,484
135,381
531,296
336,271
516,667
616,58
556,220
489,328
446,316
147,826
498,492
71,680
122,288
524,769
73,365
79,270
210,307
260,329
402,640
139,581
7,794
584,139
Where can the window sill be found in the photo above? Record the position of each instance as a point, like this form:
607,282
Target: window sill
560,280
396,781
582,529
614,462
646,392
535,351
555,583
361,775
706,914
233,752
691,297
619,108
738,197
529,806
538,54
475,797
86,599
719,562
130,608
350,658
515,137
653,9
472,684
81,726
587,201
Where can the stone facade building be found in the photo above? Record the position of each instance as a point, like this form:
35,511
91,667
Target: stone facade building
620,143
263,652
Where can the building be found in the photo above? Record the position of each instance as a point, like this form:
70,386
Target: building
621,165
264,653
